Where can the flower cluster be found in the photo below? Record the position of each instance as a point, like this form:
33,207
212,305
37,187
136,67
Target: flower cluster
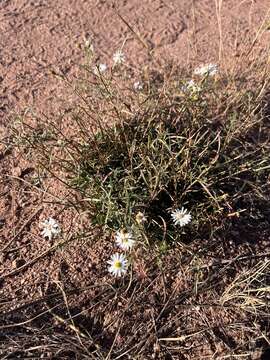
125,240
191,86
118,58
118,263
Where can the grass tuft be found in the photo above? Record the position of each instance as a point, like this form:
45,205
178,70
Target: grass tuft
170,144
206,151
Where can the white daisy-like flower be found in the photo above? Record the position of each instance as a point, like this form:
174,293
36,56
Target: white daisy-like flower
191,86
119,57
181,217
50,228
209,69
125,240
118,265
138,86
100,68
140,218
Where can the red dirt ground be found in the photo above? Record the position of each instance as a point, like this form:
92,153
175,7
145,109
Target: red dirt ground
39,36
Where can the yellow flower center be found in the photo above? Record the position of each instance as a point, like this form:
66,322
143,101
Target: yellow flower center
118,265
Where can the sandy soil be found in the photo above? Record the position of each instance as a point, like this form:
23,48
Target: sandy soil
39,36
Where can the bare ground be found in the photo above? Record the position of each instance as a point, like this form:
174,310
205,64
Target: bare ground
40,36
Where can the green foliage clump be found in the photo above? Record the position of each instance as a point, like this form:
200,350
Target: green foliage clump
168,146
182,150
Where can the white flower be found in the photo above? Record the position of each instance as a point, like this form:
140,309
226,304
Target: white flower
191,86
209,69
118,264
118,57
138,86
100,68
51,228
124,240
140,218
181,217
